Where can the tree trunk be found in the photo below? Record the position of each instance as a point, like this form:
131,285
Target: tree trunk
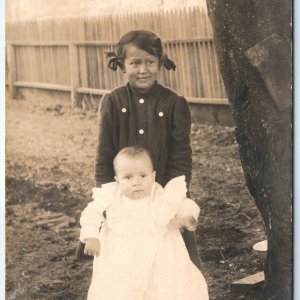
253,43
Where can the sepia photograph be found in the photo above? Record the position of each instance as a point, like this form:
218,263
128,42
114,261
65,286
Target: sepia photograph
148,150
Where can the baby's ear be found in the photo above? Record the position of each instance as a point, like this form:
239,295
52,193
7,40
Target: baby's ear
116,178
154,174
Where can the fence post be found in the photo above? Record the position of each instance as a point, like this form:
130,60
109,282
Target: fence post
74,72
11,70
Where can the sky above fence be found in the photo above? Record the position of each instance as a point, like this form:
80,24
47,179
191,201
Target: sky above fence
32,9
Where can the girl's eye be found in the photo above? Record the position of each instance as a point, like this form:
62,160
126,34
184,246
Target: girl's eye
134,63
151,62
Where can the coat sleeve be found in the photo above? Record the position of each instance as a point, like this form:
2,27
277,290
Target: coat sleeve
180,152
104,171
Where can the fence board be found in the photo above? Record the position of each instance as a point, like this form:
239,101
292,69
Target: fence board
40,85
74,71
11,69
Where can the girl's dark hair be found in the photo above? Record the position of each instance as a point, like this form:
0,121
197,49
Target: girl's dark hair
144,40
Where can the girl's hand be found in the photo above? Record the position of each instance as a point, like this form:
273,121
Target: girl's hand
92,247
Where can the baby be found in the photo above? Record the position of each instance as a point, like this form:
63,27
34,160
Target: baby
139,252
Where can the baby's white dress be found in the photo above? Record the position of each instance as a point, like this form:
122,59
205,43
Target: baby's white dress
142,255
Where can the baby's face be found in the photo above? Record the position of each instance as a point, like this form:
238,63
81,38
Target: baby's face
141,68
135,176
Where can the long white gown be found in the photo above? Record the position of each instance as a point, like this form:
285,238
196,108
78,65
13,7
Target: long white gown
142,256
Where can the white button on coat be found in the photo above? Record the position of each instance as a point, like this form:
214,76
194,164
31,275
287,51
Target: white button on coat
141,131
161,114
124,109
141,101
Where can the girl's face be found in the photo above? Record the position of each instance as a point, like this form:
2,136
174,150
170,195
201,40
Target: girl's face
141,68
135,176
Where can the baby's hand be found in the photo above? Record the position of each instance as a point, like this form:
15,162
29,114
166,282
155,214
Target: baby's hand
187,222
92,247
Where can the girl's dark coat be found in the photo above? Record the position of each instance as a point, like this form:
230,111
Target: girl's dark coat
165,120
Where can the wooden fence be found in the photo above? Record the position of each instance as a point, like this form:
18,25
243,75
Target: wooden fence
68,54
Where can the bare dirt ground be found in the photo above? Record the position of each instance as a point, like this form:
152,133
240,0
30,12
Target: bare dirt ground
49,176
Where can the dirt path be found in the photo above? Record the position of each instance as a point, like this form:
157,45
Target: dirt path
49,177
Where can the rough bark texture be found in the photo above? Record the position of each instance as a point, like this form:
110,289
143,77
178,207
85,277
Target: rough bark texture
261,106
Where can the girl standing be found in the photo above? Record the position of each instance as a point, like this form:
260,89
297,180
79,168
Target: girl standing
145,113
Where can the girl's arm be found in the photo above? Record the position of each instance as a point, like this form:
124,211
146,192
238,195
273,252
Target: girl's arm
180,153
104,152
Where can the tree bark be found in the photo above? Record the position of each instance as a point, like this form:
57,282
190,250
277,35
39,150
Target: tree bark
253,43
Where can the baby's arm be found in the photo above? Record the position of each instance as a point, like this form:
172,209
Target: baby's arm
92,216
90,222
187,215
91,219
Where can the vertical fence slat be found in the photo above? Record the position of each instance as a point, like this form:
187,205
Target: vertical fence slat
11,70
195,70
74,72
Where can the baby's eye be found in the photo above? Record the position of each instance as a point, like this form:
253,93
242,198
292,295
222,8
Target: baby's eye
127,177
143,175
